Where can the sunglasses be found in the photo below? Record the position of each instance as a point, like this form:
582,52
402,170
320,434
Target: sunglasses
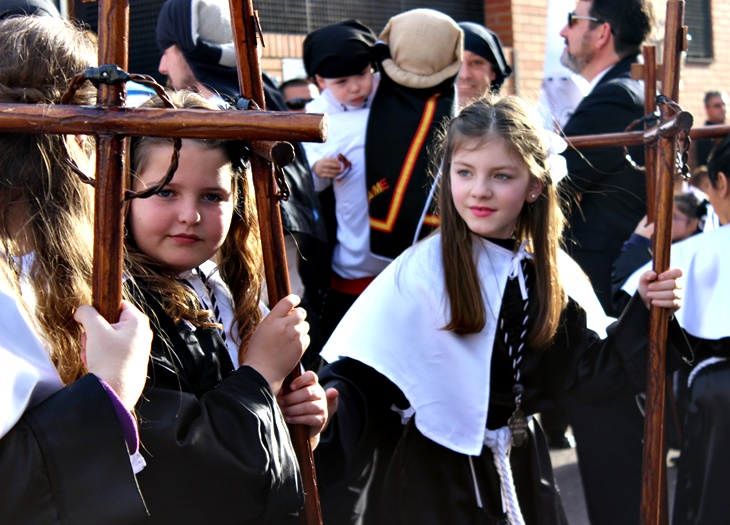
297,103
573,19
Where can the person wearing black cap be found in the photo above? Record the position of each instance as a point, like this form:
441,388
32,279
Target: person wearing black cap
28,7
418,54
484,67
339,57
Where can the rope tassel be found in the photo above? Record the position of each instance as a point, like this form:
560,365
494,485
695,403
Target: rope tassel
500,442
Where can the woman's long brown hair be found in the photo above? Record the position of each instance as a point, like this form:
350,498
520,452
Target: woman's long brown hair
44,207
540,223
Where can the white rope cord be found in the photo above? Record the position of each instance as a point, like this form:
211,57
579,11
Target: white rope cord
499,442
405,413
703,364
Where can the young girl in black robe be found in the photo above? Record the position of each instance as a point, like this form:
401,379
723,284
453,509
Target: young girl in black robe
213,436
445,357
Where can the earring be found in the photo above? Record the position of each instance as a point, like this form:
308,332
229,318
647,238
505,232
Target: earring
532,196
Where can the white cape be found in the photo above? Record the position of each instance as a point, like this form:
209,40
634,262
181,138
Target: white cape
706,285
396,325
27,375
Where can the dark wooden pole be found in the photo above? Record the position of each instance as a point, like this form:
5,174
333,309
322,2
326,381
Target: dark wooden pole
636,138
245,28
109,195
654,500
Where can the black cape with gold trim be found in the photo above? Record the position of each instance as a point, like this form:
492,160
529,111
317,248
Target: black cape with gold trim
401,130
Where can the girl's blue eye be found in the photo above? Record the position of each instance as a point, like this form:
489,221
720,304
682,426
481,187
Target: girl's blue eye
212,197
165,193
502,176
463,173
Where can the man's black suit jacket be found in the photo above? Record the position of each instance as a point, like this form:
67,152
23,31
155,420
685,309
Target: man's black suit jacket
605,195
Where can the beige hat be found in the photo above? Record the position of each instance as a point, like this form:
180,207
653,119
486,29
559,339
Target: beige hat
425,48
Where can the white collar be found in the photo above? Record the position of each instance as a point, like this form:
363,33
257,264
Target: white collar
706,280
396,325
593,83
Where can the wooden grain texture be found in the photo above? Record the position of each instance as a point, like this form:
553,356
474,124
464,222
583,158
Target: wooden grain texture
654,485
159,122
245,27
110,161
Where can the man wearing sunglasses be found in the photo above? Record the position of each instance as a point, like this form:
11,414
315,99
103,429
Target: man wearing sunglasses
297,93
606,197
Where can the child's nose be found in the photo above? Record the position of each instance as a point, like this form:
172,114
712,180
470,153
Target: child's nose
482,187
189,215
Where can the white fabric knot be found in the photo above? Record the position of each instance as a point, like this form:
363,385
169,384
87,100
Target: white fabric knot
405,413
555,161
500,442
516,268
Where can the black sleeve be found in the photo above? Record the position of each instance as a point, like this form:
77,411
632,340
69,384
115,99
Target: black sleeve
614,368
68,463
624,266
364,419
225,457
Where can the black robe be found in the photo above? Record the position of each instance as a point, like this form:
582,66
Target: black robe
216,445
66,461
701,496
414,480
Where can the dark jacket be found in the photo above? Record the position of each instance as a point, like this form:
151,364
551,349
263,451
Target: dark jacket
216,445
66,462
611,193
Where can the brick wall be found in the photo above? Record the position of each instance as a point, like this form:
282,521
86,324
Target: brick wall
698,78
520,25
279,46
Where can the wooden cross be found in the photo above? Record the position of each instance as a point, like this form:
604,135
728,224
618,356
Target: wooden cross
661,143
245,28
111,122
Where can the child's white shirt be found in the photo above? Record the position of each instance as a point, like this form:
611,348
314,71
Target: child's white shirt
351,258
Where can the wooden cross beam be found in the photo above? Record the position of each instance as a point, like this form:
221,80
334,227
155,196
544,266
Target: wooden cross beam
111,122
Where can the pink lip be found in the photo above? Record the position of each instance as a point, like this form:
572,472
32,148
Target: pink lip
185,238
481,212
